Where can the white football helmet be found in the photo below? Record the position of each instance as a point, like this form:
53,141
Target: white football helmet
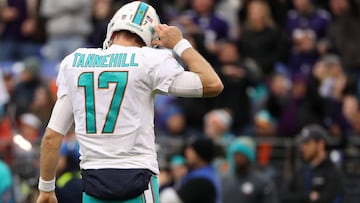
137,17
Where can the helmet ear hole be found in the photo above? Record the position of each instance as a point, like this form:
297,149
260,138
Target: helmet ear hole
113,36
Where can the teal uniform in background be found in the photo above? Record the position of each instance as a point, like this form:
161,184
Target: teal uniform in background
6,184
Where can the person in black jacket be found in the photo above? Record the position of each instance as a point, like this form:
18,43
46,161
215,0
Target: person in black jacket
319,180
261,40
201,184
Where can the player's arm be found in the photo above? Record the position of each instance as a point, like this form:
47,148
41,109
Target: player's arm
60,122
49,156
172,38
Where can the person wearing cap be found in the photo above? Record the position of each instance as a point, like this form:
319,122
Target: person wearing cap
217,125
243,183
177,170
29,127
201,184
318,180
30,81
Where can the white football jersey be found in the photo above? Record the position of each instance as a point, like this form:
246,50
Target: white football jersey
112,93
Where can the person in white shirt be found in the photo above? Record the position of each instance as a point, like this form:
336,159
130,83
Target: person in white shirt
109,94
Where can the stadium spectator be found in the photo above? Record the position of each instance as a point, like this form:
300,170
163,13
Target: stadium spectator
303,53
68,183
194,110
319,180
169,118
307,27
311,100
178,169
228,10
280,104
68,24
351,112
101,14
30,81
333,83
306,16
264,124
30,127
264,127
238,74
174,8
26,146
244,183
170,126
260,38
69,154
165,179
279,9
202,18
202,177
5,124
344,33
6,133
6,184
20,25
217,125
42,105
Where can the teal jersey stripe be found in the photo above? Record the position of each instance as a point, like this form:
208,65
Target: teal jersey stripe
140,13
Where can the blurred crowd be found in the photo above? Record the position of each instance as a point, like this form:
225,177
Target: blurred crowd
285,65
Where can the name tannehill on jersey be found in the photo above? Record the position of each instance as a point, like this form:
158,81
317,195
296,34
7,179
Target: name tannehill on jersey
104,61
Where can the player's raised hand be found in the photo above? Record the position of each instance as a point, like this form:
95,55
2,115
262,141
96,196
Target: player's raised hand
47,197
168,36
